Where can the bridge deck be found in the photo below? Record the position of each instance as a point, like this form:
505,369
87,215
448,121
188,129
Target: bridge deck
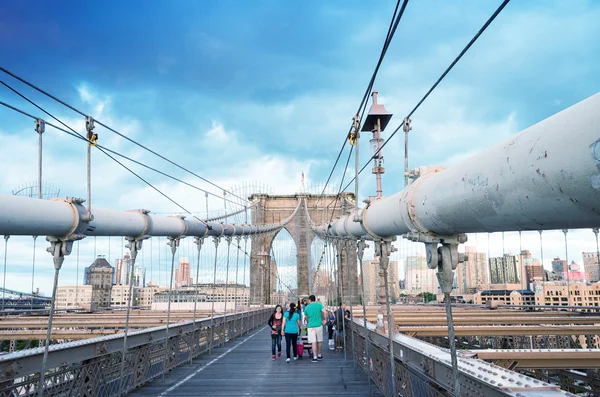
244,368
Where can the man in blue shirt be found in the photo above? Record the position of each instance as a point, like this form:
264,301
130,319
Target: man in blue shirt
316,313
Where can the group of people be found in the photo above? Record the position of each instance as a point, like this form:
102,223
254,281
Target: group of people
312,316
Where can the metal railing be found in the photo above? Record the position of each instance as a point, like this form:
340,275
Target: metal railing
92,367
425,370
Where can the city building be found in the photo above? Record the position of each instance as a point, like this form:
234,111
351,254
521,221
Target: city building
504,270
473,273
73,296
122,270
139,276
418,277
559,268
205,294
182,273
533,270
81,296
100,276
373,281
561,293
591,266
504,297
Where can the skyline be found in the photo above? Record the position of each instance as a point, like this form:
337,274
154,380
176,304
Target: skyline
203,83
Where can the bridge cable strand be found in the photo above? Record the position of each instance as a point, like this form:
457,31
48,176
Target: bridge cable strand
77,276
48,332
174,243
338,195
212,306
439,80
237,289
6,237
360,253
33,271
568,273
228,240
362,107
79,136
110,129
111,157
199,241
133,249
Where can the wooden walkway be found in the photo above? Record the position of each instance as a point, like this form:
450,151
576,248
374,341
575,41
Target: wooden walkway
244,368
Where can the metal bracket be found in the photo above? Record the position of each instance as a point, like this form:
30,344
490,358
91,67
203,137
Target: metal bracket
40,126
444,258
89,126
407,124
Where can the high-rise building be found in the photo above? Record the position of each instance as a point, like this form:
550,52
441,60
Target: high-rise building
139,276
418,277
473,273
122,270
182,273
504,270
100,276
533,270
591,266
373,281
560,269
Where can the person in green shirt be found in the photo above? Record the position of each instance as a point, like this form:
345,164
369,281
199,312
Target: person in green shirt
315,312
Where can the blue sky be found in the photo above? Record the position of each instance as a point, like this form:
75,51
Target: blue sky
265,90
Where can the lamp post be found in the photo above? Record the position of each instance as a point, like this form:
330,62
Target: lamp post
377,119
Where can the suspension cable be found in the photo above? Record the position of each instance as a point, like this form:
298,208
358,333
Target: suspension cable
6,237
212,308
110,129
351,290
244,278
199,241
360,253
237,288
77,278
439,80
48,332
173,243
565,231
33,272
133,246
390,34
228,240
106,152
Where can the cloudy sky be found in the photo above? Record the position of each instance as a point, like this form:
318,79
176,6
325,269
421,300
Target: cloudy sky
263,91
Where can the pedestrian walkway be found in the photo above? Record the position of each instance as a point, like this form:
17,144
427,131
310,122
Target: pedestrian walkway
244,368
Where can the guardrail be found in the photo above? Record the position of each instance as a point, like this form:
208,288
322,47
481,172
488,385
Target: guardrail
92,367
425,370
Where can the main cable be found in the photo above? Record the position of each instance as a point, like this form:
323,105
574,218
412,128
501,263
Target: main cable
439,80
396,17
112,129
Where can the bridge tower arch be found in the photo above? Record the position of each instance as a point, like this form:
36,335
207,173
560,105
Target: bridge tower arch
313,208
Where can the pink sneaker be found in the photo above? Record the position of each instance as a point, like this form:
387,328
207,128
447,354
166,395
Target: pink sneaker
273,358
279,355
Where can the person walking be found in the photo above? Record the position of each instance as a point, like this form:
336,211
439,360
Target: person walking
276,322
339,324
291,330
315,313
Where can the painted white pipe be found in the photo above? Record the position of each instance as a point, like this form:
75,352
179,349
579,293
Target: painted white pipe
546,177
27,216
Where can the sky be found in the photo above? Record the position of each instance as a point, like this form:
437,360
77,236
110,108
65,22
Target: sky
257,93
